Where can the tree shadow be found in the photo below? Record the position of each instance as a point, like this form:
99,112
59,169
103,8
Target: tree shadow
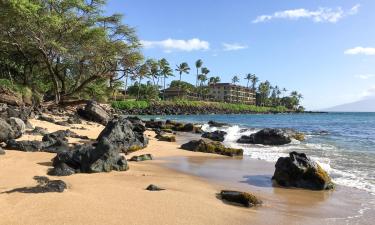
44,185
258,180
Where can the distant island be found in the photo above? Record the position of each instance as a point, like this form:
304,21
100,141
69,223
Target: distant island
364,105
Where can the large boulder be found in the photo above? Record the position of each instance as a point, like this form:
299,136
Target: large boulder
125,134
300,171
94,112
211,147
6,132
103,157
217,135
25,146
267,136
17,124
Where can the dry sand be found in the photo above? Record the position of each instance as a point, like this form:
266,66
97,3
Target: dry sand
121,198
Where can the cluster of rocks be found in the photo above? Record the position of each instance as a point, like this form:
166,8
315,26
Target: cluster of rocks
270,136
51,142
119,137
169,126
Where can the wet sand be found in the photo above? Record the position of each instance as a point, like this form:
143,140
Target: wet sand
192,181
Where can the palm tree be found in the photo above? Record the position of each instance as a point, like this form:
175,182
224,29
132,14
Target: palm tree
143,71
182,68
284,90
165,71
249,77
254,81
198,65
235,80
214,80
202,78
154,70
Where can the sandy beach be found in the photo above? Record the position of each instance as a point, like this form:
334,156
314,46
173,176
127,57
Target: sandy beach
191,180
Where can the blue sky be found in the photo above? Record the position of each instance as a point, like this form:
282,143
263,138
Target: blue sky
323,49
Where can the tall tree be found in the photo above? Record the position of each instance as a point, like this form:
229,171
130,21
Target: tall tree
249,77
214,80
198,65
142,72
182,68
254,81
235,79
71,43
166,71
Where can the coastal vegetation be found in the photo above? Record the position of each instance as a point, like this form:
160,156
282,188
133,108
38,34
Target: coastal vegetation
220,106
65,52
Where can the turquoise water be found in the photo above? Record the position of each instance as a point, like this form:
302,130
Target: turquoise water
346,149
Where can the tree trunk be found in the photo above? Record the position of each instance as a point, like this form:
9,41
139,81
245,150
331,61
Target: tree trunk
164,89
139,87
126,83
179,86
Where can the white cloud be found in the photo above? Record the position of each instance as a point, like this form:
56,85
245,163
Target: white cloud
169,45
370,92
320,15
365,76
360,50
233,46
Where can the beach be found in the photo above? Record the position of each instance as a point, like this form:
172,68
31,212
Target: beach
191,179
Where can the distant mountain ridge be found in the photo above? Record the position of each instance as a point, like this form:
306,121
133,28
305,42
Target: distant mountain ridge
365,105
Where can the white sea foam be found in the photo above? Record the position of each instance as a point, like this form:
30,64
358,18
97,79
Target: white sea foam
347,177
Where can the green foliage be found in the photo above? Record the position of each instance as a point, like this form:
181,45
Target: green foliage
144,91
130,104
184,85
68,45
237,108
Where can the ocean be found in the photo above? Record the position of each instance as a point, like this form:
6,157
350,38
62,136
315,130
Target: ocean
342,143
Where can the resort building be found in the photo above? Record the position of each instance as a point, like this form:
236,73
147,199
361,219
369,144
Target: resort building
227,92
174,92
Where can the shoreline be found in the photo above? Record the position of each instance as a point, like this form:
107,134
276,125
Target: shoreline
104,197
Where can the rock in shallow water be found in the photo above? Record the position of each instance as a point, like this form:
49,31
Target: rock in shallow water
211,147
242,198
300,171
215,136
267,137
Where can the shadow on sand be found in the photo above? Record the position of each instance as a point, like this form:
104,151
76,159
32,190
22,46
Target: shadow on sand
44,185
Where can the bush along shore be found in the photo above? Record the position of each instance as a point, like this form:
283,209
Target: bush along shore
186,107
